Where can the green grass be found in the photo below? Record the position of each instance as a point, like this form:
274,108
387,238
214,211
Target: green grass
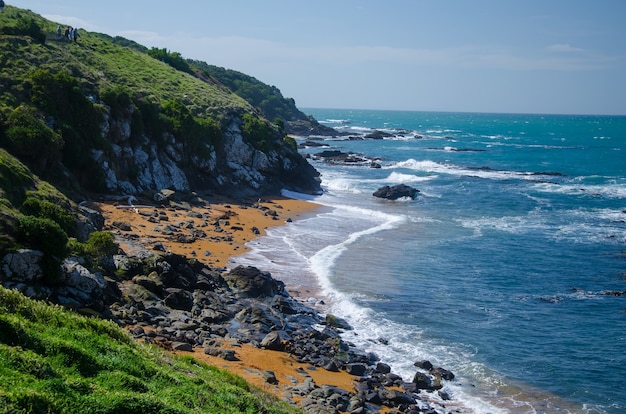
100,62
55,361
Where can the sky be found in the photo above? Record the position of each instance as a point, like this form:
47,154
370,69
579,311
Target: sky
504,56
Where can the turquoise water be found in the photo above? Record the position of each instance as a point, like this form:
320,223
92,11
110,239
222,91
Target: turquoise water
498,271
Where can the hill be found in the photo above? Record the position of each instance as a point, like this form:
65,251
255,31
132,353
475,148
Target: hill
108,115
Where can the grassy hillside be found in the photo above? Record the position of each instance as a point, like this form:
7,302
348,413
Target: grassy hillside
100,62
54,361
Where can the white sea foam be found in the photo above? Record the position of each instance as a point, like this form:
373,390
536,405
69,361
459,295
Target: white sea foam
399,178
442,168
612,190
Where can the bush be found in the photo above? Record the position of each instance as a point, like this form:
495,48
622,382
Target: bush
42,234
45,209
28,136
257,132
101,243
291,142
174,59
192,132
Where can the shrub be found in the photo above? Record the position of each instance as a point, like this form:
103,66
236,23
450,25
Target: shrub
191,131
291,142
45,209
28,136
174,59
257,132
101,243
42,234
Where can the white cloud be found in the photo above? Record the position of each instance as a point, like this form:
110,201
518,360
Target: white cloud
564,48
72,21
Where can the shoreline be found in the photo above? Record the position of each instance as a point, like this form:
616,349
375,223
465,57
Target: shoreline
305,367
212,232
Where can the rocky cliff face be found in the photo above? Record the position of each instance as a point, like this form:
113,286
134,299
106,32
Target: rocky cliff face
233,167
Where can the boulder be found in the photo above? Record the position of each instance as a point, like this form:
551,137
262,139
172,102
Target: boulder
22,266
254,283
273,341
395,192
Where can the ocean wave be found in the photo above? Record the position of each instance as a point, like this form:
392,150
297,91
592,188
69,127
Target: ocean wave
577,226
608,190
429,166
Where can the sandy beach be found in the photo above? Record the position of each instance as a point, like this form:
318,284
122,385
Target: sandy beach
226,227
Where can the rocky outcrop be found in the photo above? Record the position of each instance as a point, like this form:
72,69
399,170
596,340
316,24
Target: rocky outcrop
395,192
337,157
231,167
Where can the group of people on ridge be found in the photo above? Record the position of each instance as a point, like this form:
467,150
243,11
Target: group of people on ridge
70,33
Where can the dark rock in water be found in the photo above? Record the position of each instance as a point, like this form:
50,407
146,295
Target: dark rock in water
337,322
383,368
442,373
396,192
378,135
425,382
425,364
253,282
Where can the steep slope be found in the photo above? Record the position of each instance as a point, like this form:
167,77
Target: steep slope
101,114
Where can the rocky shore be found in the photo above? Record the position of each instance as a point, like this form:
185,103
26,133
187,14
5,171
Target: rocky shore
169,286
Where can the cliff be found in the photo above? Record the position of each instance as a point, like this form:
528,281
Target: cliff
107,115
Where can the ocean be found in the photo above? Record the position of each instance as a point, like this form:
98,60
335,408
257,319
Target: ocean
506,269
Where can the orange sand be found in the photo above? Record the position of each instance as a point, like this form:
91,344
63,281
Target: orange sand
251,361
237,223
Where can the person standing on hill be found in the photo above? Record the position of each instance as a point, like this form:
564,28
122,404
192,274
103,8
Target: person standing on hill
58,31
75,34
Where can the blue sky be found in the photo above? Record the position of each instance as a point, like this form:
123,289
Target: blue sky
530,56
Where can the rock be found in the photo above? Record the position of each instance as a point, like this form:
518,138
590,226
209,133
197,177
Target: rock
383,368
78,277
424,364
269,377
331,366
226,354
397,398
424,382
122,225
182,346
163,196
22,266
337,322
442,373
273,341
356,369
254,283
179,299
396,192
